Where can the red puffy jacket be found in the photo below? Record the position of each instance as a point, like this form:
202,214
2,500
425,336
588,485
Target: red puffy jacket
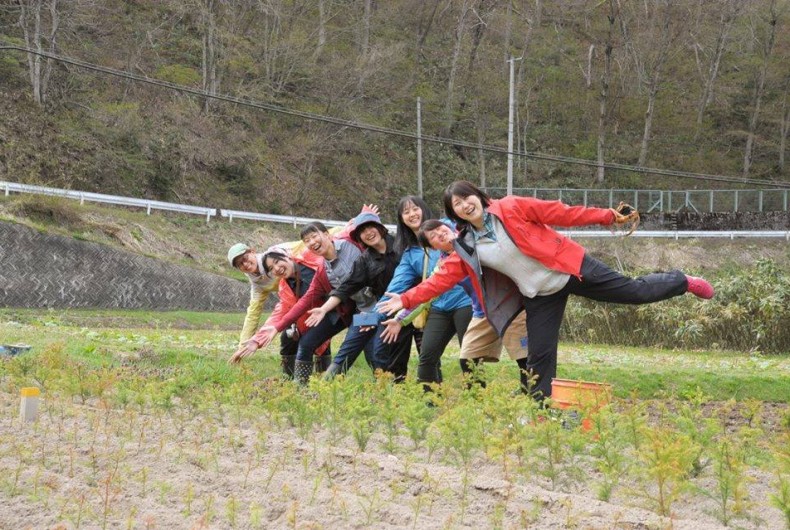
525,220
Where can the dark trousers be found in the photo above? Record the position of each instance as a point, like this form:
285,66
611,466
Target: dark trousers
437,334
355,342
290,347
599,282
395,356
330,326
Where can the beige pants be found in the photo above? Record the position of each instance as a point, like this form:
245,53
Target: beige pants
481,341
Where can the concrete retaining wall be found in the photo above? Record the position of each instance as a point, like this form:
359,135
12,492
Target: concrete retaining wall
44,270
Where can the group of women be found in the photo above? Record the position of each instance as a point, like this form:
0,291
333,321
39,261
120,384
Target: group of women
491,272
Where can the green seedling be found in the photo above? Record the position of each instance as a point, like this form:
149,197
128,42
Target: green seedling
730,494
231,511
666,457
370,504
189,496
256,515
608,448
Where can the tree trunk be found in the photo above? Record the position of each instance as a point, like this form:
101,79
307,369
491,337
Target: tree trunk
364,38
784,126
481,154
459,36
670,31
54,18
210,80
321,29
725,24
757,95
651,103
32,40
603,101
425,28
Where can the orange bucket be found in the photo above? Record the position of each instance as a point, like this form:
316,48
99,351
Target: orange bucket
580,395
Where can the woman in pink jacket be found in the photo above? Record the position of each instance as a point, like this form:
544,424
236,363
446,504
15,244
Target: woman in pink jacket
517,262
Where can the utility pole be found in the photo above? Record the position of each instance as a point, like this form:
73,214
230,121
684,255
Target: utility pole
419,149
510,120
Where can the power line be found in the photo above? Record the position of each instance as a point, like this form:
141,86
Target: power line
393,132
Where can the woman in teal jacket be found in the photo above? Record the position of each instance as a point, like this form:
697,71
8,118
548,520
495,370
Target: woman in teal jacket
450,313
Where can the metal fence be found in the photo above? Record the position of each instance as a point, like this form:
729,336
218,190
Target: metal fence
645,200
83,196
699,201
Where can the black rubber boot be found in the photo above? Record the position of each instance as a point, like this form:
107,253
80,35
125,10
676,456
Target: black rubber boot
287,364
302,371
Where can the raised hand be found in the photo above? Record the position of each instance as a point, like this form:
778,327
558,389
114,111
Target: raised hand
391,306
316,316
372,208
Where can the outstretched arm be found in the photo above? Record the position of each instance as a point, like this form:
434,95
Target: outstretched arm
557,213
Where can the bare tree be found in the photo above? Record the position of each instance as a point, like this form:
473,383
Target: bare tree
784,124
210,47
322,18
766,47
658,26
603,99
39,33
730,9
364,33
425,23
460,30
533,20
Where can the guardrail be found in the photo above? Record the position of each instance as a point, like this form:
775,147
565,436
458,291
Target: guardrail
149,205
288,219
83,196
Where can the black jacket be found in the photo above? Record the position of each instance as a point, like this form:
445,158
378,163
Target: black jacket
371,269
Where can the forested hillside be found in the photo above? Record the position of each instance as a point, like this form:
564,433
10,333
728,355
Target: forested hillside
691,85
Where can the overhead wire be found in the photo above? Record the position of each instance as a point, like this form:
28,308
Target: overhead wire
393,132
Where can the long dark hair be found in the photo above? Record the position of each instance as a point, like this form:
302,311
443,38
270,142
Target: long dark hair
404,237
462,188
276,256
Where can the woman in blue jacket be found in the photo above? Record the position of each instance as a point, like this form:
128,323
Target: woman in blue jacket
450,313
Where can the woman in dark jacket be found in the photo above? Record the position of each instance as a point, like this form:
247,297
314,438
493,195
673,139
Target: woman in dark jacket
372,272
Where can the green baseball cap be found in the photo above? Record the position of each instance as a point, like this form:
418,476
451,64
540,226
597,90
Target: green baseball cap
239,249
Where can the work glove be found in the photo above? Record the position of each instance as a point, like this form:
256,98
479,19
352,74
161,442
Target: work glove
626,217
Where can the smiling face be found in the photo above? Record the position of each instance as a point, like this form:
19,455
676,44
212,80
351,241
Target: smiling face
319,242
441,238
247,262
280,267
470,209
370,235
411,214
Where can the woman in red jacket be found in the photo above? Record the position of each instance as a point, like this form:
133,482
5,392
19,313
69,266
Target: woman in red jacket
516,262
295,273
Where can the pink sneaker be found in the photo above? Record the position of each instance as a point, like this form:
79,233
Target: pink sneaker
700,288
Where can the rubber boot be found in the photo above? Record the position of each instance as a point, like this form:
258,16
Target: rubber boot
302,371
321,363
333,370
287,364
